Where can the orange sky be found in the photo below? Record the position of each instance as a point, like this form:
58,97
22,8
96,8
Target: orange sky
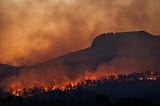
33,31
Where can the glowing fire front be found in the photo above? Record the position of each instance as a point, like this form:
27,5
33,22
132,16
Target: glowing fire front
18,89
33,88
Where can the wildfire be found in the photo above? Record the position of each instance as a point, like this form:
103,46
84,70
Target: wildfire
90,80
21,91
17,92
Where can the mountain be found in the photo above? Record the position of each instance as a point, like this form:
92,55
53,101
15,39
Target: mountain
8,70
136,51
127,51
124,49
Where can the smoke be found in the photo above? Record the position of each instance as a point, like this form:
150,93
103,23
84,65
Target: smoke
35,31
136,53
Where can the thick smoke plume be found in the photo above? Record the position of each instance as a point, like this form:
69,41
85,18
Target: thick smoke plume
33,31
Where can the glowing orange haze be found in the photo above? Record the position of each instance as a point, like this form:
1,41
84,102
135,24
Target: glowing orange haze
20,88
32,31
16,85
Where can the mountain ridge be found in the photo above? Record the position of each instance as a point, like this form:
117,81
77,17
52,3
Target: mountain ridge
106,47
136,47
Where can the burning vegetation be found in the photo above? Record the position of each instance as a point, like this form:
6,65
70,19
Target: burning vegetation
89,81
112,57
114,63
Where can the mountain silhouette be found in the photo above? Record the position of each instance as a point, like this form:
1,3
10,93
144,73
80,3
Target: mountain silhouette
8,70
138,48
123,50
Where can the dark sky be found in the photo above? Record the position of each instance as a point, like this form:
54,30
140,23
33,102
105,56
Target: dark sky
32,31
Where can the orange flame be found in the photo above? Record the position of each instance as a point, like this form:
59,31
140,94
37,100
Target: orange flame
18,89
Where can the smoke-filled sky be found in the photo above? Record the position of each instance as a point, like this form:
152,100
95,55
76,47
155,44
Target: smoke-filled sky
33,31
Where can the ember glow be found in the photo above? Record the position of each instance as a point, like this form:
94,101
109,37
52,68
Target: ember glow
58,45
38,30
17,87
89,81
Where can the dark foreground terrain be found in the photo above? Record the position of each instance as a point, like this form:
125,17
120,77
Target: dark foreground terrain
135,51
124,91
